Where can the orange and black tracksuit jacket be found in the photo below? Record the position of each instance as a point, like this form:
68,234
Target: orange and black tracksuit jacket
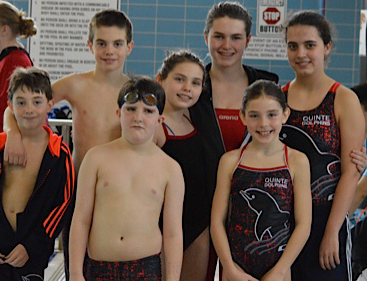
44,214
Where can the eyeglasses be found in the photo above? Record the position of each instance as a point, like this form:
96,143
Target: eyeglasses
147,98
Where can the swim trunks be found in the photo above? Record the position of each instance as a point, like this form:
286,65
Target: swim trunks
145,269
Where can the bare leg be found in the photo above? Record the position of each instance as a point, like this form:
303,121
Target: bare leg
195,260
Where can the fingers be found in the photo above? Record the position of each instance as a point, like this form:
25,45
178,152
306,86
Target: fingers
329,262
17,257
360,169
360,159
24,160
336,259
10,259
16,260
15,159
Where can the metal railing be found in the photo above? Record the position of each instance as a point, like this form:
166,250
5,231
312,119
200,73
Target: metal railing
65,124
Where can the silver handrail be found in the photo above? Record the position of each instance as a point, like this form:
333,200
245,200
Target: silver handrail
65,124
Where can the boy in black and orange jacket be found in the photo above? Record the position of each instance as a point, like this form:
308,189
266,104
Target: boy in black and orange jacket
33,198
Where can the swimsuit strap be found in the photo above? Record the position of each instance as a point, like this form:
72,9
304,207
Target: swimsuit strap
334,87
188,119
285,88
286,154
241,154
165,127
286,160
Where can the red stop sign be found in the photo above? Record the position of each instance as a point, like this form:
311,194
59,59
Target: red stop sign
271,15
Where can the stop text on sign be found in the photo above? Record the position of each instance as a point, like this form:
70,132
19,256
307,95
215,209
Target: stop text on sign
271,15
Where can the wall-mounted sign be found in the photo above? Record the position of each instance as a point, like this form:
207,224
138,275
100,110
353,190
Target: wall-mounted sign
270,17
60,45
269,42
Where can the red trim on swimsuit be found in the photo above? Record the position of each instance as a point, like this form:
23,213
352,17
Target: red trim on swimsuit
265,169
174,137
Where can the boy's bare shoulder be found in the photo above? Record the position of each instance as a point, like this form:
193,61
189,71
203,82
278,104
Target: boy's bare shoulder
100,151
75,78
70,86
168,163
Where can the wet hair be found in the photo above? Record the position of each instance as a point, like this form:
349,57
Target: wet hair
19,25
34,79
110,18
263,88
314,19
233,10
361,91
174,58
143,85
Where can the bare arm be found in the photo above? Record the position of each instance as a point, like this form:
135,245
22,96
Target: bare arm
351,124
219,215
300,168
172,224
83,215
14,149
64,88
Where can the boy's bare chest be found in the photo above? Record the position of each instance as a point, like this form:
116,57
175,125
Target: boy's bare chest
95,112
145,182
94,102
19,186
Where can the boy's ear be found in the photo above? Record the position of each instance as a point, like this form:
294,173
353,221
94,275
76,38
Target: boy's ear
248,38
50,104
118,112
160,120
90,45
10,105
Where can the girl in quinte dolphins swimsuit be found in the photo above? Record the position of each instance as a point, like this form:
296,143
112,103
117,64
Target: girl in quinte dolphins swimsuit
260,188
326,123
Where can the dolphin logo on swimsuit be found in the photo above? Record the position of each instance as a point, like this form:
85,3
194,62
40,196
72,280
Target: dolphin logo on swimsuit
307,145
322,179
268,212
32,277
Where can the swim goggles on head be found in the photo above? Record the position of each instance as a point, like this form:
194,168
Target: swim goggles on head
147,98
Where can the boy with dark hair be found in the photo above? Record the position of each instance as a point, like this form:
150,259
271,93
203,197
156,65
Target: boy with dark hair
33,198
123,186
92,95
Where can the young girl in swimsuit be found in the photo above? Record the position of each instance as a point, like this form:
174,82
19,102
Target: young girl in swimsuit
259,189
326,123
181,76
